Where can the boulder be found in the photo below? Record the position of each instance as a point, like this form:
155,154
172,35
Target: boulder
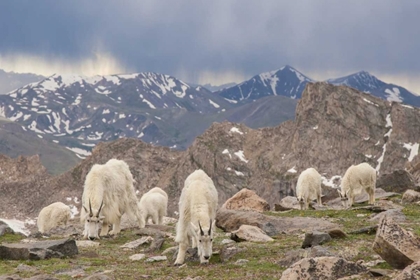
137,243
322,268
398,181
396,214
396,245
250,233
315,238
411,196
231,220
38,250
287,203
246,199
4,228
337,233
228,251
410,272
296,255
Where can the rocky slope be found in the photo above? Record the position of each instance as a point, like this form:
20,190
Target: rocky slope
335,126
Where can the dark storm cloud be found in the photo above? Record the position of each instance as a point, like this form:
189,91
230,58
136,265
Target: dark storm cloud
247,37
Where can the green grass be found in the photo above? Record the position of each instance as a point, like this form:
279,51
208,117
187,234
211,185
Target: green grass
262,257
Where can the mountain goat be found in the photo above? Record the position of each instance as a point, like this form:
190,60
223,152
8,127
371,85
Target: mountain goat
108,193
197,213
357,178
308,188
53,215
153,204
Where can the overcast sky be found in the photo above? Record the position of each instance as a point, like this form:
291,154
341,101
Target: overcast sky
215,41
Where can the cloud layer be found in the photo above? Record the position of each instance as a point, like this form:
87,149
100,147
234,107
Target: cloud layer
213,41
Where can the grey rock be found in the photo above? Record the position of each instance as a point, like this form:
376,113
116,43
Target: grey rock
228,251
411,272
411,196
250,233
395,245
398,181
137,257
396,214
5,229
157,259
367,230
322,268
337,233
241,262
137,243
293,256
231,220
38,250
315,238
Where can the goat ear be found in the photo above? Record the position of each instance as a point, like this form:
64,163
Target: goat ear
339,192
87,212
194,227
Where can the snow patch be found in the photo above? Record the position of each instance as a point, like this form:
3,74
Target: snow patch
292,170
16,226
370,102
241,156
413,148
235,130
149,103
214,104
393,95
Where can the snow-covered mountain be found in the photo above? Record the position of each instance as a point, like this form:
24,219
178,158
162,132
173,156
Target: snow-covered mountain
366,82
286,81
10,81
78,112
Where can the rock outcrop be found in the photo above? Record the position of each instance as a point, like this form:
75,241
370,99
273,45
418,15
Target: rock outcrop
396,245
322,268
246,200
38,250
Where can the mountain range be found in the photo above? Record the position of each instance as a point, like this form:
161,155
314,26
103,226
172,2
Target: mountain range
76,112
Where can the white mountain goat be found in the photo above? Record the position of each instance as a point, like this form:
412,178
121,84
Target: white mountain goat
108,193
153,204
197,213
357,178
308,188
53,215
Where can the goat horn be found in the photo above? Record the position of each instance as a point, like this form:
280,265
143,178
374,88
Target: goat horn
90,209
210,227
201,230
100,207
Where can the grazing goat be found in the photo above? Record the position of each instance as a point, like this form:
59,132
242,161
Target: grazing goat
308,188
197,214
53,215
357,178
153,204
108,193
